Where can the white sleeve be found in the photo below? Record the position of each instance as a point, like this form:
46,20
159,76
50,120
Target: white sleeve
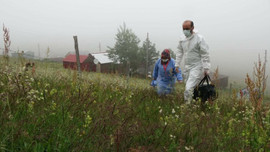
204,51
179,55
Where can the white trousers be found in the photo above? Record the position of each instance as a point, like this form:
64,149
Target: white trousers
192,77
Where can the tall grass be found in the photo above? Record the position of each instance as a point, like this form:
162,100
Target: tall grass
45,112
7,43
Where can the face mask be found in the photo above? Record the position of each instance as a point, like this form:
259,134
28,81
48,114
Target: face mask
187,33
164,60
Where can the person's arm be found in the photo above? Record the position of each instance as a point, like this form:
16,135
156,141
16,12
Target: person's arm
178,73
155,71
204,51
179,55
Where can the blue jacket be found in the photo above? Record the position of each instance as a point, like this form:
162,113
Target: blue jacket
171,73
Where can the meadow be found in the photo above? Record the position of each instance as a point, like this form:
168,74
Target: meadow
50,108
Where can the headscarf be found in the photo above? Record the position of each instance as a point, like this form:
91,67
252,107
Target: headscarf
165,55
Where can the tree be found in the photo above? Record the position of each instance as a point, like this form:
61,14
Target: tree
126,48
148,54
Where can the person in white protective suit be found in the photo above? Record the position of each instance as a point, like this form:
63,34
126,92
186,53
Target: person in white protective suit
193,50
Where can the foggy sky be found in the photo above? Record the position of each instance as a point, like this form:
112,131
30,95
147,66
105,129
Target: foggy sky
236,30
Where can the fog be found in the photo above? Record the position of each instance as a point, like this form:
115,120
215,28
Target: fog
236,30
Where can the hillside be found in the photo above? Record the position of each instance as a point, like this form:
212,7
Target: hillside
50,109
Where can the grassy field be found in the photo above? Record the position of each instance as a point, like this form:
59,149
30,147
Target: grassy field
52,110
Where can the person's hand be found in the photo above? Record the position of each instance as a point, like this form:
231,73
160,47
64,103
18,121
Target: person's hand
153,83
180,81
206,72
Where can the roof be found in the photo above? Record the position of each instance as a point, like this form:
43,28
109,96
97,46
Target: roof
72,58
102,58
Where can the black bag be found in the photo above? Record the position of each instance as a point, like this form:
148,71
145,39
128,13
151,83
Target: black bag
205,91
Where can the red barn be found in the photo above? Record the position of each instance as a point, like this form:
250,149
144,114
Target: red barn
94,62
70,62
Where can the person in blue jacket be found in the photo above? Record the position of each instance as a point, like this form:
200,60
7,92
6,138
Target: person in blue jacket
165,74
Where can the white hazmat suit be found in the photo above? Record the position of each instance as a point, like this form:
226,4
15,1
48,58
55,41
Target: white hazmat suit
194,51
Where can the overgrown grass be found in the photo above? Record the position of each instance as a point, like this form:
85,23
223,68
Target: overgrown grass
52,110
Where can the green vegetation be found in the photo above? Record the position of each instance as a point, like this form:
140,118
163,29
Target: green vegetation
126,48
50,109
127,51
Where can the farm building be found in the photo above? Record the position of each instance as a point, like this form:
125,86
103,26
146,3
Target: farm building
103,63
94,62
221,82
69,62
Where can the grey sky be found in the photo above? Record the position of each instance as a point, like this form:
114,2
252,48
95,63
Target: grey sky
236,30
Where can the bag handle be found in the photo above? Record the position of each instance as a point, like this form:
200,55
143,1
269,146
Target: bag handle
207,79
203,80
